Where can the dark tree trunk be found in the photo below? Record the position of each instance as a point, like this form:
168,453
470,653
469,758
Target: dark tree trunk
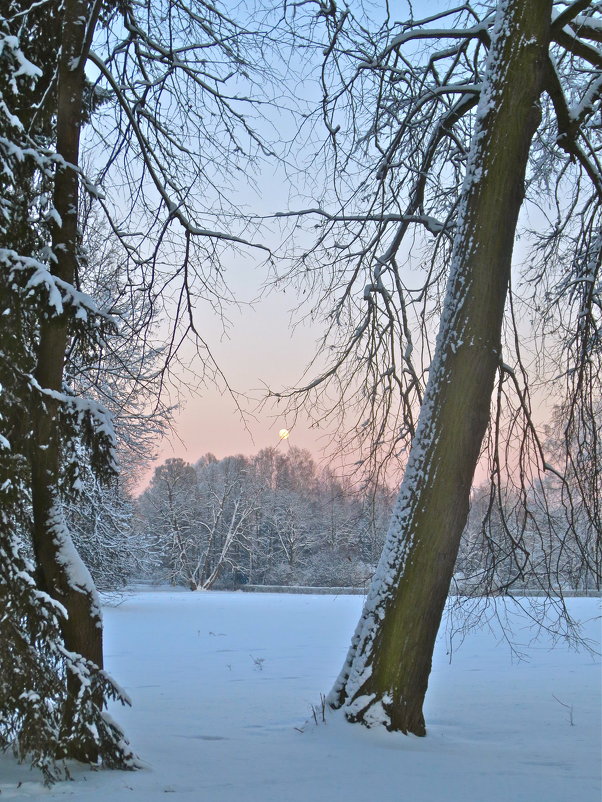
60,569
386,673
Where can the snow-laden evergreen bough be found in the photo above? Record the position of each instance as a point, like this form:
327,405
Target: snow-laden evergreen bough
51,698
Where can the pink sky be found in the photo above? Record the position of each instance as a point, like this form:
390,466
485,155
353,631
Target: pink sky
262,350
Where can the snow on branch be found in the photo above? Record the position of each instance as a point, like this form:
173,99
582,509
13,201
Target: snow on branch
83,408
570,12
578,112
579,48
25,69
477,32
60,294
431,224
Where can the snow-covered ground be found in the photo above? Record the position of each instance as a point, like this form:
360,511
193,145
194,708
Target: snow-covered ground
222,684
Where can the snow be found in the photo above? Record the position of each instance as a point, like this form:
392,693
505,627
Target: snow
578,111
59,292
77,573
222,684
591,22
26,68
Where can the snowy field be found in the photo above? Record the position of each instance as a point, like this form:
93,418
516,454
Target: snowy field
222,684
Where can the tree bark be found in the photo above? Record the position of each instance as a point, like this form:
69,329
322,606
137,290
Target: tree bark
385,677
60,569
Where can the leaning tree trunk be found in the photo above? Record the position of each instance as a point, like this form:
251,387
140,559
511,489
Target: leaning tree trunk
385,677
60,569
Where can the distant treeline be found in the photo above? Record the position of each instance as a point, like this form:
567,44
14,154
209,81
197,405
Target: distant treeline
276,518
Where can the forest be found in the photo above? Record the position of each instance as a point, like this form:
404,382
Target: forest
278,519
436,182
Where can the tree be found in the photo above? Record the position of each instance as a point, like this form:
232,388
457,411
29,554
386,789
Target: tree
229,502
101,525
170,122
199,517
446,141
124,376
272,519
49,695
171,510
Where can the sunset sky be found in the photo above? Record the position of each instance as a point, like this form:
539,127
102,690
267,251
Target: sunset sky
261,350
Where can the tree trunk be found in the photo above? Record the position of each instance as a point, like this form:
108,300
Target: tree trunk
385,677
60,569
